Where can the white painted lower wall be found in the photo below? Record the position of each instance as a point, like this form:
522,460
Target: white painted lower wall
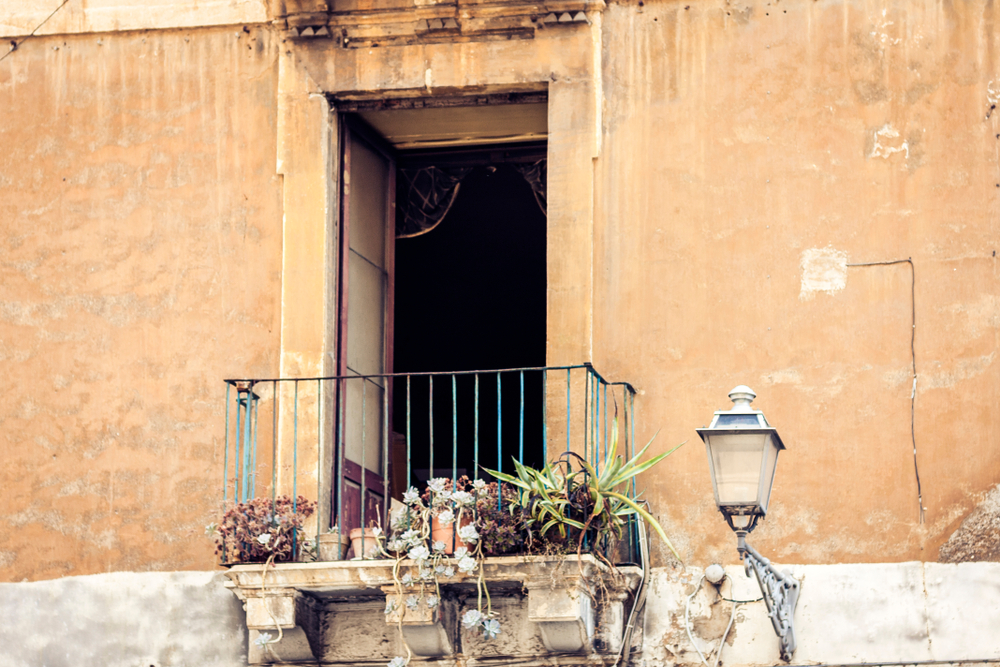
860,613
847,614
123,619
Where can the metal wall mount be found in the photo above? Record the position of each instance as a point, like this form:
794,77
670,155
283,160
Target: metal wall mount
780,590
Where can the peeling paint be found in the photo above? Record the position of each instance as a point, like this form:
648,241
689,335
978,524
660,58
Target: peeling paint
823,270
885,143
961,369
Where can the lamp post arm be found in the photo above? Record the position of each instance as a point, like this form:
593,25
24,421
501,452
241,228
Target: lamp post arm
781,594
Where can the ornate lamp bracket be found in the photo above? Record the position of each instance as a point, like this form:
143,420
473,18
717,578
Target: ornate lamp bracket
781,593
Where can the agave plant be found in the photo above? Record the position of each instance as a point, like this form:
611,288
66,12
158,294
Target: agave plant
570,493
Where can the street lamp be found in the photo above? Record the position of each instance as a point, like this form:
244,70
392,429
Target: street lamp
742,455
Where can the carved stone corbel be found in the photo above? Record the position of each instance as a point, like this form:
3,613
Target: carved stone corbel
427,629
288,610
563,609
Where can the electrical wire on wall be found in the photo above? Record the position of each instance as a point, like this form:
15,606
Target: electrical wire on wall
913,362
14,43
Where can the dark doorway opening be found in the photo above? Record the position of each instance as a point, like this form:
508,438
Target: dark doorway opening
471,295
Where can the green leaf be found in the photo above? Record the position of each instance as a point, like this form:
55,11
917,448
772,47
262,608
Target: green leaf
649,519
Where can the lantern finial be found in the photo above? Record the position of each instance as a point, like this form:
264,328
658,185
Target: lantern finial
742,396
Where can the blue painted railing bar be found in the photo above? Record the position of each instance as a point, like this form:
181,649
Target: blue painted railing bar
353,425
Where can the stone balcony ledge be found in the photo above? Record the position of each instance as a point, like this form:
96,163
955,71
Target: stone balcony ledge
548,606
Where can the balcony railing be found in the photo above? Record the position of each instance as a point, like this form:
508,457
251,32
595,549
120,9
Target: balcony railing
354,442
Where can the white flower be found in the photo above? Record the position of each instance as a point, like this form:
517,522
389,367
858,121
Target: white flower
396,662
467,564
396,545
397,519
437,485
468,533
411,497
479,485
471,618
264,538
463,499
449,571
432,601
460,552
419,553
263,639
439,569
390,606
426,574
439,546
377,530
407,579
491,628
412,602
446,517
210,529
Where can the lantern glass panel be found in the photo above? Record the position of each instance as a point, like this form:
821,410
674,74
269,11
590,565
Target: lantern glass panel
767,471
738,459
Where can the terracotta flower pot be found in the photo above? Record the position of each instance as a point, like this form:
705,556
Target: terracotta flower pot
371,543
333,546
448,534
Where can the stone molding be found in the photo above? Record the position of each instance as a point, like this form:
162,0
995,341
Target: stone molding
353,25
567,599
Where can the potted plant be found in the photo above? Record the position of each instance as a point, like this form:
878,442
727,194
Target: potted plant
572,498
437,532
332,545
369,540
263,530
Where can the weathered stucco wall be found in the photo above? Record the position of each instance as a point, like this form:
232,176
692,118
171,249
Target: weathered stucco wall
162,192
140,231
21,17
123,619
742,142
847,614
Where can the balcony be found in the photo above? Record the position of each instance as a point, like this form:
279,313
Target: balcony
353,445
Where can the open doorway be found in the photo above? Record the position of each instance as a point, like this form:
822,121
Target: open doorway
465,290
471,295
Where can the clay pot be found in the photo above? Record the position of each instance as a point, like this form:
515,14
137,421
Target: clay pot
448,534
333,546
371,543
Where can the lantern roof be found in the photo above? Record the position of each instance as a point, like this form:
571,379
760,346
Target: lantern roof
740,417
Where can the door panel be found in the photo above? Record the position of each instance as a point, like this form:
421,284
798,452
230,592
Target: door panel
364,328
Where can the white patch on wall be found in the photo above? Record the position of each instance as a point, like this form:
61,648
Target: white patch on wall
823,270
887,142
881,32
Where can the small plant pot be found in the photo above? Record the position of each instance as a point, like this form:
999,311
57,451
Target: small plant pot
333,546
448,534
370,546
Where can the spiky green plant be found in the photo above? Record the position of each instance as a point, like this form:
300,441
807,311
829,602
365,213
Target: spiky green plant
563,496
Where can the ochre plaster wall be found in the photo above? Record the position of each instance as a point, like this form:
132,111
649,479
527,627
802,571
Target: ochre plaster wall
737,138
140,228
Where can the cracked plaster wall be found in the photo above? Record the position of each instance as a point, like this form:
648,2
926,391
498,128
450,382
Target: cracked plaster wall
139,253
751,151
737,137
847,614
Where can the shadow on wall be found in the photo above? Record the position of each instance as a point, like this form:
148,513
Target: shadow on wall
978,538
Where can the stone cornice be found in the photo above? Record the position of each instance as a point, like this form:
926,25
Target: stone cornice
353,25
